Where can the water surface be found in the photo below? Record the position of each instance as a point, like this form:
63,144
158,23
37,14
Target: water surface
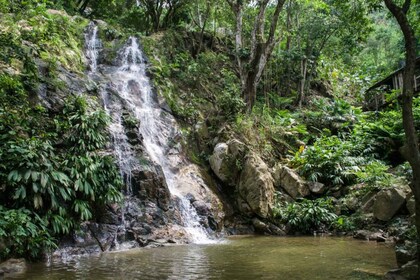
237,258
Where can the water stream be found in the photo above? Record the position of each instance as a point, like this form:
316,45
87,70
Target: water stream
157,127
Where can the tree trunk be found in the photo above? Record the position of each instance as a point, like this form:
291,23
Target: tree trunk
252,66
303,71
411,149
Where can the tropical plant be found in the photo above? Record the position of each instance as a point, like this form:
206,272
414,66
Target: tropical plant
330,160
307,215
23,234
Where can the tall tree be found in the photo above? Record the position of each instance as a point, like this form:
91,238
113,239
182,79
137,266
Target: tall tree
411,148
161,12
251,65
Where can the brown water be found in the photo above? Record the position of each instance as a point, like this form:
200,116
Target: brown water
237,258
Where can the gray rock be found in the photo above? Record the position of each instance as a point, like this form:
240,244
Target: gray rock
202,208
260,226
256,186
387,203
316,187
367,202
104,234
290,181
218,161
227,159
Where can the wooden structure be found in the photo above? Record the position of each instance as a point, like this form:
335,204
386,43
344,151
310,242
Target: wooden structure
376,95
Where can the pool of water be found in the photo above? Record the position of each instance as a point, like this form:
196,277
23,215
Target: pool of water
246,257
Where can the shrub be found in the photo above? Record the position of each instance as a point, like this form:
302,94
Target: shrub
24,234
343,224
51,166
330,160
307,215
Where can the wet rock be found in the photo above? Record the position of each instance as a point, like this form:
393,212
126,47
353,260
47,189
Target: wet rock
290,181
148,183
316,187
202,208
104,234
13,266
108,214
406,272
256,186
196,185
387,203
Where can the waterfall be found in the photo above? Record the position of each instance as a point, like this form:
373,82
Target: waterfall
93,45
157,127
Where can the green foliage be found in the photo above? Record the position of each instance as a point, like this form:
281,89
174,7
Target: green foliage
375,175
383,131
19,6
330,160
24,234
343,224
52,166
334,115
306,215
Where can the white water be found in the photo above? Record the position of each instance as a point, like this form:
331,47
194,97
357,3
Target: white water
157,127
93,45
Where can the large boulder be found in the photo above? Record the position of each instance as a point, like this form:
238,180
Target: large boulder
291,182
255,186
218,161
226,160
387,203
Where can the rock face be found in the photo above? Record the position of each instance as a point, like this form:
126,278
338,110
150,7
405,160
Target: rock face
226,160
148,183
387,203
255,187
291,182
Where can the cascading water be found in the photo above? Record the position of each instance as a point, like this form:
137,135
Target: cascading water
157,127
93,45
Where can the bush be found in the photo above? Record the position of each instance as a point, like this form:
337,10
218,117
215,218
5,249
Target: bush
334,115
307,215
24,234
343,224
51,166
330,160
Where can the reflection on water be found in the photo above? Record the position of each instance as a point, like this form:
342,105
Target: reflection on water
238,258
